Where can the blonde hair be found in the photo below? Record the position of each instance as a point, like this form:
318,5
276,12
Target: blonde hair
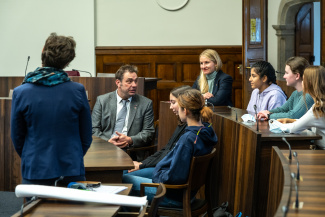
193,101
214,57
314,85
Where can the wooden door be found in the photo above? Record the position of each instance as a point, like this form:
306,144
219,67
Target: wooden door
305,32
254,49
254,40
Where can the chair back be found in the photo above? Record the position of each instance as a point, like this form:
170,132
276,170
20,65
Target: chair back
73,73
155,139
200,168
160,194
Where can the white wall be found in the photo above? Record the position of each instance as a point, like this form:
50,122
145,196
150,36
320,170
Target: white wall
272,43
145,23
25,25
317,33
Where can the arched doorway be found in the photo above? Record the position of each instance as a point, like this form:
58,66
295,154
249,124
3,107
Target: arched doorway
285,30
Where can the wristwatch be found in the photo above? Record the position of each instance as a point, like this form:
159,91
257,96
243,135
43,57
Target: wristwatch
268,115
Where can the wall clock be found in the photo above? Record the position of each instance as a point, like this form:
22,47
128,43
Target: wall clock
172,5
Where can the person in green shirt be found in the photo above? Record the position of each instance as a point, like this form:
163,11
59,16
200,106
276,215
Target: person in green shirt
296,106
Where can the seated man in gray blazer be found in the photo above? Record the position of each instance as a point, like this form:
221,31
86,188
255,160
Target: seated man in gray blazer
123,117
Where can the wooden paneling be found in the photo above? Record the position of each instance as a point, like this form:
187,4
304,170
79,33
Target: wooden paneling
280,181
10,166
305,32
94,85
177,65
168,124
254,42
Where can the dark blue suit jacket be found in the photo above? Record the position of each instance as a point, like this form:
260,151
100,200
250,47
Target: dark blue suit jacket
221,91
51,129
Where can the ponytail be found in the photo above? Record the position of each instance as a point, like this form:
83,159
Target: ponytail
206,114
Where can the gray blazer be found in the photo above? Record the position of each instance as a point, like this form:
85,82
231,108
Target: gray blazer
140,124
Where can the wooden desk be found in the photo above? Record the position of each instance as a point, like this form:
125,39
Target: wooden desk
311,188
242,165
54,207
105,162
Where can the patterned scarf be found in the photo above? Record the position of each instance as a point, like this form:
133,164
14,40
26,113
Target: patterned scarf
47,76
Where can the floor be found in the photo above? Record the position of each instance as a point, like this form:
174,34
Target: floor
9,203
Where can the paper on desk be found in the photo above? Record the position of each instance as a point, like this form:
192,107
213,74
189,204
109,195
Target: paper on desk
78,195
109,189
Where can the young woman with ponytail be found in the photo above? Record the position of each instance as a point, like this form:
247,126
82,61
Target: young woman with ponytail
199,139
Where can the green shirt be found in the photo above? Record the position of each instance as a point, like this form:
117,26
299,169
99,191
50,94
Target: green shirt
294,108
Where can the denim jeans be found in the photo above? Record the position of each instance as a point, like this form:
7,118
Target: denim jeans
145,176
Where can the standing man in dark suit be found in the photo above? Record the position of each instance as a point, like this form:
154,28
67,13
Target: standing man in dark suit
123,117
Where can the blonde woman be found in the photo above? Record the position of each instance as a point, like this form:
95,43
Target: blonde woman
314,85
213,83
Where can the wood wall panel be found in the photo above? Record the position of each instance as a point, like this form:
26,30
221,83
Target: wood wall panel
94,85
162,68
176,65
187,71
112,67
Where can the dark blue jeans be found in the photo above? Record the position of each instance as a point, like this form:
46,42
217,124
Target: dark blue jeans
145,176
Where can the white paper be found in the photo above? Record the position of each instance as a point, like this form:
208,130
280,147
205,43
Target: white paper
109,189
78,195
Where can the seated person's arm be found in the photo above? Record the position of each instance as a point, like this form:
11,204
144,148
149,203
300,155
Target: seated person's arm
263,114
286,120
136,166
120,140
146,135
223,93
179,167
297,111
96,117
275,101
305,122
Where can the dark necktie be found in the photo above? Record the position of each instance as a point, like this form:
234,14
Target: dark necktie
121,118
